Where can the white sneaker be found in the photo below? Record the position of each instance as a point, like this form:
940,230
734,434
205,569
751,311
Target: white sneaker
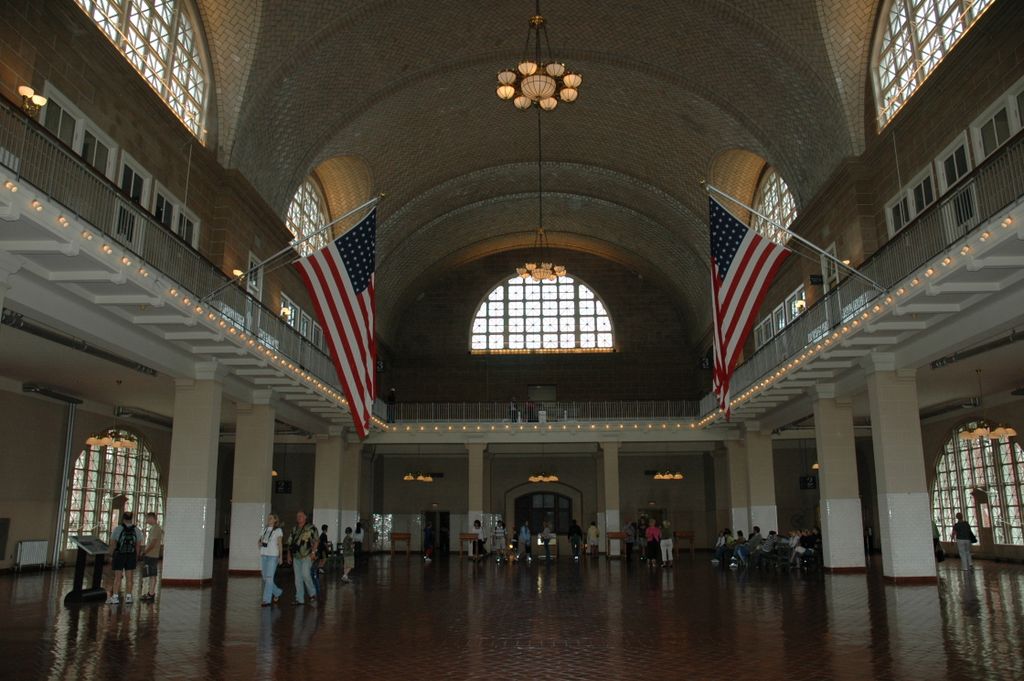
128,599
113,600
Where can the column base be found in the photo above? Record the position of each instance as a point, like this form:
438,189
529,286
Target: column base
911,581
907,552
842,541
244,573
248,518
188,544
766,517
739,516
846,570
187,582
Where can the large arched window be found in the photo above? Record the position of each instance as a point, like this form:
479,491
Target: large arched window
917,35
159,38
774,201
523,315
306,218
980,477
113,474
544,507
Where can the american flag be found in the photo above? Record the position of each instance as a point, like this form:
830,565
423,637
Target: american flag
339,278
743,264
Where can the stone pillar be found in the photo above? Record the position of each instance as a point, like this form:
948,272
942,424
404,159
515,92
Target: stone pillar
842,527
739,492
327,483
761,480
350,473
612,512
192,479
476,483
9,264
251,486
904,508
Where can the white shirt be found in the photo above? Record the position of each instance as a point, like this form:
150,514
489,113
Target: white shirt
270,537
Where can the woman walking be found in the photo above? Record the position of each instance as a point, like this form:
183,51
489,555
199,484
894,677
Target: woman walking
653,543
963,535
270,559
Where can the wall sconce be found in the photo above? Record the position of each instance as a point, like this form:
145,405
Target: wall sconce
815,466
286,313
237,272
31,102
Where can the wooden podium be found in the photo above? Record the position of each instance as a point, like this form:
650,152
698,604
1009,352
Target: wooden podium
401,536
680,535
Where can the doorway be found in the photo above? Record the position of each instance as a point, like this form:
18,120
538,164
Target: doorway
441,522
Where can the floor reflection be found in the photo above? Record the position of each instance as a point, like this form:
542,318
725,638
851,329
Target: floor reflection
402,619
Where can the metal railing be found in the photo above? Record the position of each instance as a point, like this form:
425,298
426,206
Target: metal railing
994,185
539,412
37,157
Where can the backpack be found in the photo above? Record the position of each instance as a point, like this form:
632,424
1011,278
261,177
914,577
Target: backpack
126,542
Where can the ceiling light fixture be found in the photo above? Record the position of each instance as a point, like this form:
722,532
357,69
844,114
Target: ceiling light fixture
543,477
538,79
668,475
543,269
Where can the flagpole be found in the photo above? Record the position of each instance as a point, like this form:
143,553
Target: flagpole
824,253
290,247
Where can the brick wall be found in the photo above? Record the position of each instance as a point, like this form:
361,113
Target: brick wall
431,359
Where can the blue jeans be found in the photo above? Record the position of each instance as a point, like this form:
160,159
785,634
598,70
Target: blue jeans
303,577
268,566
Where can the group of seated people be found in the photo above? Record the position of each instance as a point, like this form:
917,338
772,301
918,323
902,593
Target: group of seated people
801,549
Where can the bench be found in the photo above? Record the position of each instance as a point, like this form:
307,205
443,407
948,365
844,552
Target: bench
400,536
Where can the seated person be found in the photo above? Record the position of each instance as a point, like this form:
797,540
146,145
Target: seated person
765,549
740,550
755,539
723,547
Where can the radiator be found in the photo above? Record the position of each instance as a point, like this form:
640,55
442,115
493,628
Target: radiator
31,552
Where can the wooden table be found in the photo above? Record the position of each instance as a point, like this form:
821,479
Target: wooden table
609,536
688,535
400,536
467,537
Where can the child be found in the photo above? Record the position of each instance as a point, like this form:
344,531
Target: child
478,545
428,542
348,555
592,535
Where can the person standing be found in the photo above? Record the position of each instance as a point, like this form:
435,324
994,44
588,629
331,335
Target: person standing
478,543
963,535
428,542
125,545
525,551
666,544
653,536
357,539
348,555
545,539
575,539
630,533
499,540
270,559
302,545
151,555
592,538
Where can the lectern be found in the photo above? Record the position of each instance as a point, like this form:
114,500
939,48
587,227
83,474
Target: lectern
88,546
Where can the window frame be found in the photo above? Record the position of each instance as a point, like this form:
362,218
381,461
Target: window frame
1010,100
906,196
944,185
83,124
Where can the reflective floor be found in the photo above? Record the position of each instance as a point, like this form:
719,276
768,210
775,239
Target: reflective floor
452,619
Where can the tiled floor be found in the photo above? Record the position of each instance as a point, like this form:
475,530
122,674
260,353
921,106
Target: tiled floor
452,619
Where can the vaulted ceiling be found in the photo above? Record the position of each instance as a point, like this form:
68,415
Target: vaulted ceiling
669,87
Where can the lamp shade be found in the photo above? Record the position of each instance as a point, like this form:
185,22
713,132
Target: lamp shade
25,91
548,103
507,77
555,69
572,80
569,94
527,68
538,86
522,102
505,92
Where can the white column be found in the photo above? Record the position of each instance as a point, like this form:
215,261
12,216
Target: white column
350,472
904,509
842,527
476,482
251,487
327,483
739,493
9,264
192,479
761,480
612,512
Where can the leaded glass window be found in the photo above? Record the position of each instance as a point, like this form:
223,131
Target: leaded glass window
306,218
775,202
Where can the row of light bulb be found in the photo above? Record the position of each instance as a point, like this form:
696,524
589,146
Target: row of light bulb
665,425
846,329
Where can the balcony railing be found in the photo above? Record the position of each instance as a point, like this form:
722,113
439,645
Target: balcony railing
539,412
37,157
994,185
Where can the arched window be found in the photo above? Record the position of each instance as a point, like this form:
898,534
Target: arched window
980,477
523,315
307,215
113,474
159,38
773,200
917,35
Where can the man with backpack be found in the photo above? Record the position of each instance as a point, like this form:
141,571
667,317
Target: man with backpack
125,546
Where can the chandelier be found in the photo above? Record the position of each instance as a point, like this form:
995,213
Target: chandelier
981,430
113,438
418,477
668,475
538,79
543,477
